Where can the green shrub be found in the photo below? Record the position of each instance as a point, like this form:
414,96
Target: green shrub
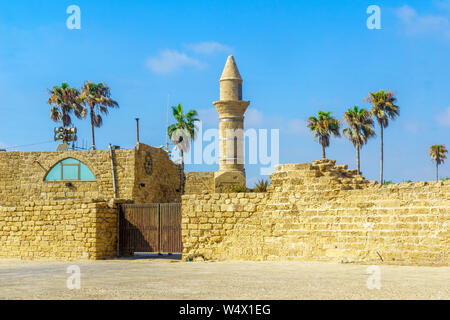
386,183
261,186
445,179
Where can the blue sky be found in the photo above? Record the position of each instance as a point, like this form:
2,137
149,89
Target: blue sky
296,57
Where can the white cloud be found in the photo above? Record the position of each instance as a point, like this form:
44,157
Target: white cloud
207,47
416,24
253,117
444,117
169,61
406,13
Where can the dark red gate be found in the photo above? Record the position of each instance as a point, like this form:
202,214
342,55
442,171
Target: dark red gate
152,227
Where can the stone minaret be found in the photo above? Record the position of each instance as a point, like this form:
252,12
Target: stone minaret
231,111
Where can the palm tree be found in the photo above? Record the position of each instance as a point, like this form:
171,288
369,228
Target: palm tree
322,127
437,153
63,101
97,97
383,109
183,131
360,129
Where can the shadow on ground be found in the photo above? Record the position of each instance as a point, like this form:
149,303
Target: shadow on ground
152,256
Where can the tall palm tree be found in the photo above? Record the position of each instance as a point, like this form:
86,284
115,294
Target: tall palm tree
97,97
437,153
183,129
360,129
323,126
63,101
383,109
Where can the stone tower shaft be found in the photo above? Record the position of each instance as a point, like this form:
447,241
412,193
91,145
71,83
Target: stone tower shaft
231,111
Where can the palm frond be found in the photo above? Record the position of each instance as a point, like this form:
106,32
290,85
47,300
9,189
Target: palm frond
64,101
360,126
384,106
323,126
97,98
184,122
438,153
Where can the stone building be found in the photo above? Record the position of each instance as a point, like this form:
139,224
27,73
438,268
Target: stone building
144,174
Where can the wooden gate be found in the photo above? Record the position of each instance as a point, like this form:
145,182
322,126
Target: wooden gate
152,227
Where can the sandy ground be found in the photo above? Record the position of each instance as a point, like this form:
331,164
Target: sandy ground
168,278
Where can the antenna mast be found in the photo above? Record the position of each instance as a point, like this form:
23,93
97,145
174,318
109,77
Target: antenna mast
167,122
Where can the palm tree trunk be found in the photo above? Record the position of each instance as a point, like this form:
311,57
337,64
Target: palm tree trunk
357,160
437,171
381,162
323,152
92,130
64,113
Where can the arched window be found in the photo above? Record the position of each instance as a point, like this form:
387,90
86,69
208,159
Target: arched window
70,169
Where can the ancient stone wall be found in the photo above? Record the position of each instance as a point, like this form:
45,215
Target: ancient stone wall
22,176
157,178
199,182
322,212
62,230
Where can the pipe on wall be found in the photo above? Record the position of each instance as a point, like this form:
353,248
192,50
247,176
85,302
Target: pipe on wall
111,153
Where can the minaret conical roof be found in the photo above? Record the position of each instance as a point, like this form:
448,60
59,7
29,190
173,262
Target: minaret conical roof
231,70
